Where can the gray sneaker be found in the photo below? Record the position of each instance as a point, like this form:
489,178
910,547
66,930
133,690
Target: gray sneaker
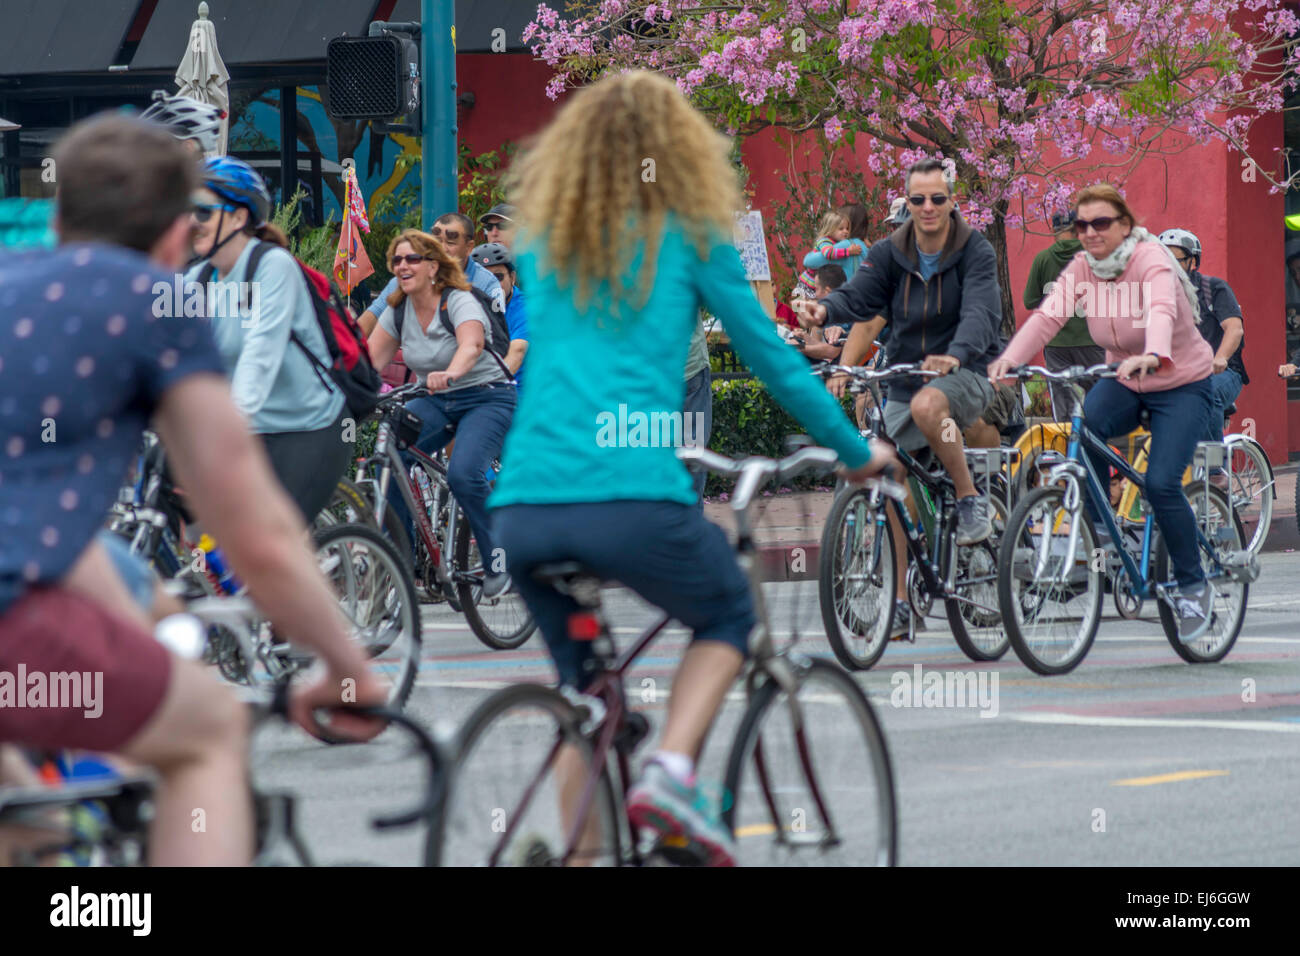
496,584
1194,612
973,522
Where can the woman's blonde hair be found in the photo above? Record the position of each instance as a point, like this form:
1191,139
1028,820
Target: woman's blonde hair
603,176
450,274
830,222
1104,192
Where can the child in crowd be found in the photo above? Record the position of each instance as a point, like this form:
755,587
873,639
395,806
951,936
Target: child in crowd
824,343
834,245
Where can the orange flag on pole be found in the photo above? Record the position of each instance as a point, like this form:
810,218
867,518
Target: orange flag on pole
351,263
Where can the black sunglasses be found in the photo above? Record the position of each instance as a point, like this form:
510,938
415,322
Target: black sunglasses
1100,224
937,198
497,224
410,260
449,236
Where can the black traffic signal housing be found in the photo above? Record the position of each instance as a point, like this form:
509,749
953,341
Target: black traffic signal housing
376,77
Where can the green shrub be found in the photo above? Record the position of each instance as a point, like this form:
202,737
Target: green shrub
748,421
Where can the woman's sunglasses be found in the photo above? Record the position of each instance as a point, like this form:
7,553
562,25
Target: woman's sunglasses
410,260
1100,224
937,198
202,212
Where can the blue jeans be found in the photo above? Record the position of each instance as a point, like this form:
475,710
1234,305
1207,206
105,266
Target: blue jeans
664,551
699,400
478,417
1224,389
1111,409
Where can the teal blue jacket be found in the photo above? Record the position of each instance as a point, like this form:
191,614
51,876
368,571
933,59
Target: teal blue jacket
602,411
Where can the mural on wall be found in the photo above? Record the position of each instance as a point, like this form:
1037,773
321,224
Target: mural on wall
386,162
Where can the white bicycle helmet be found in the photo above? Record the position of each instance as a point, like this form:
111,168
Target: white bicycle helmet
187,118
1183,240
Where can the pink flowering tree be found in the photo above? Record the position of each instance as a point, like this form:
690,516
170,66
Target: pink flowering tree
1025,99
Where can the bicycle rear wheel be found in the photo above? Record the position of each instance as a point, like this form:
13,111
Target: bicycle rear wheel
377,596
502,622
1050,600
777,816
857,578
974,614
1251,489
519,754
1225,534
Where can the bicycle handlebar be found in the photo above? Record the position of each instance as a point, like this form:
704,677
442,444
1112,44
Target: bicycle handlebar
401,395
826,369
752,471
1073,373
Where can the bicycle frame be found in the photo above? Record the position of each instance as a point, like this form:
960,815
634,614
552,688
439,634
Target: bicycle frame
389,460
1077,465
611,712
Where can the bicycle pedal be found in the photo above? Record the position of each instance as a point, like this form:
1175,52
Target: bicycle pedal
680,851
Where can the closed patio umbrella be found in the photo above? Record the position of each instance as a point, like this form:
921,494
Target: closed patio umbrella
202,75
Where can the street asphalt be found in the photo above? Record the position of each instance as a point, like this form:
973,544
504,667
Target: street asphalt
1134,758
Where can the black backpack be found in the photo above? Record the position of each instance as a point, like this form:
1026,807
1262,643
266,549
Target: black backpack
350,370
496,343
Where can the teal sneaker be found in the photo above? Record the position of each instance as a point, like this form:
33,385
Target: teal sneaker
660,802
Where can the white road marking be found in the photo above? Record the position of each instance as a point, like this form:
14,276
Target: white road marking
1085,720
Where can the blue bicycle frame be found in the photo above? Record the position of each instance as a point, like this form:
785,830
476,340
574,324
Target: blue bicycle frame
1138,574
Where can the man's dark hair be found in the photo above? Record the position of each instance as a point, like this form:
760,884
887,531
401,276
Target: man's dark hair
927,166
121,180
466,223
830,276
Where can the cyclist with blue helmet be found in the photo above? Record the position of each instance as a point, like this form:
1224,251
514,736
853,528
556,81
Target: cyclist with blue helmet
264,322
497,259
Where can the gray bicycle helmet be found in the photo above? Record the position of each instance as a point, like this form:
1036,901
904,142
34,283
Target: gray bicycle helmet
186,118
493,254
1183,240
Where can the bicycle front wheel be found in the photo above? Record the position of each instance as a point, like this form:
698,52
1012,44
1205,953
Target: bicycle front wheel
348,505
857,576
502,622
516,788
973,613
1222,528
375,592
1050,599
1251,489
809,780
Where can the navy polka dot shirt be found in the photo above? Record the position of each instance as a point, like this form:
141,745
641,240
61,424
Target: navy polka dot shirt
87,349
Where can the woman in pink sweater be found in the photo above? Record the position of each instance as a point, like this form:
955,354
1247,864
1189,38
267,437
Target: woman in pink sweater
1142,310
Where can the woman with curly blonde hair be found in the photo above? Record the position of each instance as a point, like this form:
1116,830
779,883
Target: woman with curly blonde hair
628,203
441,329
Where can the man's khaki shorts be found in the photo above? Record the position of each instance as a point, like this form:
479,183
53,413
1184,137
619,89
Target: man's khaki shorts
969,393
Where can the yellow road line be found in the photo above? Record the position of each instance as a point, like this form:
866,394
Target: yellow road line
756,829
1168,778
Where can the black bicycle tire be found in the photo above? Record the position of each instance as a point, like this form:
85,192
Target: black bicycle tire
826,586
1160,570
476,723
349,492
1007,601
953,607
468,607
374,539
745,740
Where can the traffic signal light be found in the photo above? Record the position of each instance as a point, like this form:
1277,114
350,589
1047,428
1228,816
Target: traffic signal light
373,77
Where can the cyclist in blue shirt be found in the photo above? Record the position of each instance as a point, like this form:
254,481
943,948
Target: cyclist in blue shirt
617,268
500,261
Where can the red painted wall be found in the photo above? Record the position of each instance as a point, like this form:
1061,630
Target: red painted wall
510,98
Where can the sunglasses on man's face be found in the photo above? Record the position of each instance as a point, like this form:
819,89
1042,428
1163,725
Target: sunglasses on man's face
937,198
202,212
411,260
450,236
1100,224
497,224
